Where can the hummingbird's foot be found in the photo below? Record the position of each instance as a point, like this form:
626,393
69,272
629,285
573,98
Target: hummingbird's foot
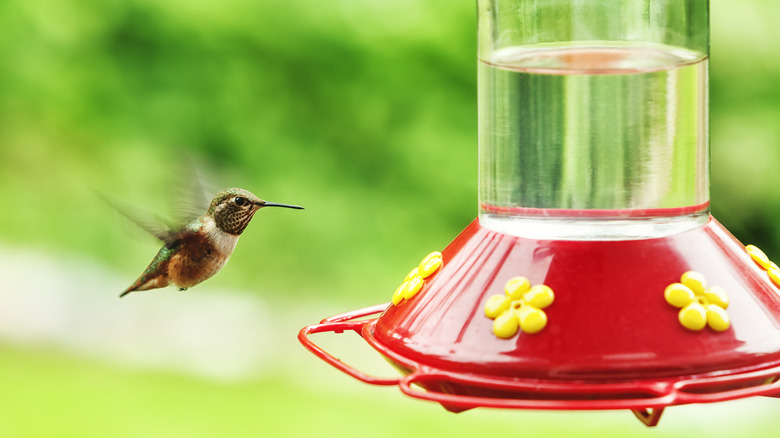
182,288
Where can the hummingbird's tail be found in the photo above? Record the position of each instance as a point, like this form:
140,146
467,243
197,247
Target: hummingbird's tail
145,283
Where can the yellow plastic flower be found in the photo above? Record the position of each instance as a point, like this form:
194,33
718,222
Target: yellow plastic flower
758,256
415,279
519,308
699,306
763,261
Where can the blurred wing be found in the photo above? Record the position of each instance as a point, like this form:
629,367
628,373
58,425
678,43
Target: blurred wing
149,222
191,194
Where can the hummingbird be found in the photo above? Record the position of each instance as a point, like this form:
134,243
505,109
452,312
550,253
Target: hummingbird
197,250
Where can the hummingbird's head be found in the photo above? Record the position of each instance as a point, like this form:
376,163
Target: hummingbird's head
232,209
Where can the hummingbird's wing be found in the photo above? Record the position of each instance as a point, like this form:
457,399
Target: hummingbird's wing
192,195
190,199
154,224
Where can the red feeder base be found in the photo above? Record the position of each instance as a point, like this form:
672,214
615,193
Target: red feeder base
611,341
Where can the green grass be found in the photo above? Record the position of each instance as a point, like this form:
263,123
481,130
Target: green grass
49,394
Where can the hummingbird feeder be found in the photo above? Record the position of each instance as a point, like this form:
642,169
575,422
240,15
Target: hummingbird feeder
594,276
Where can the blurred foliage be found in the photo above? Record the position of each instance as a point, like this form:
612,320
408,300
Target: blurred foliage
745,108
362,111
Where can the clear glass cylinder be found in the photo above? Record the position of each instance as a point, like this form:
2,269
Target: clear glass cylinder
593,117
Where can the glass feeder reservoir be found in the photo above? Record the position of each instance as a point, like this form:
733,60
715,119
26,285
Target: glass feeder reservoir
593,117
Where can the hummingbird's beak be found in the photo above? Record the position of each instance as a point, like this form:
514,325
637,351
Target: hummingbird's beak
274,204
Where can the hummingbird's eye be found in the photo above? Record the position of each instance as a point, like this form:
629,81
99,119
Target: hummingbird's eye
240,201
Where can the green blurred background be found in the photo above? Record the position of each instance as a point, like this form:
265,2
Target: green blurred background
364,112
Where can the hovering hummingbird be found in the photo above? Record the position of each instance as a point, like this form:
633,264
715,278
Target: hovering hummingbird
197,250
